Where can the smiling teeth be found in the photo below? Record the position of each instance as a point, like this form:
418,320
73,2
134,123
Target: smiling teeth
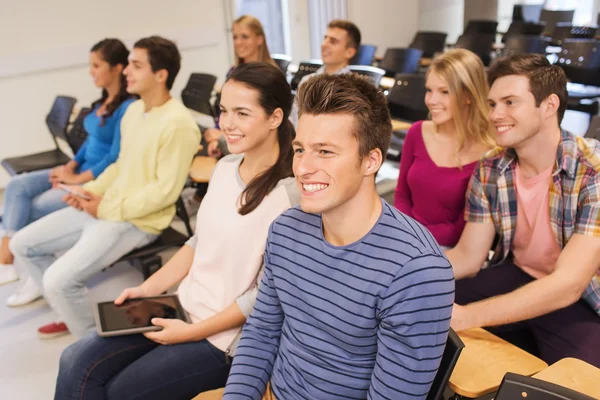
314,187
235,136
503,128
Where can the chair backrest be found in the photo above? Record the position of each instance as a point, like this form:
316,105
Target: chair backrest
480,44
364,55
580,59
451,353
527,12
406,98
515,386
525,45
282,61
475,27
401,60
197,93
373,73
305,68
77,134
58,118
593,131
566,30
429,42
552,17
517,28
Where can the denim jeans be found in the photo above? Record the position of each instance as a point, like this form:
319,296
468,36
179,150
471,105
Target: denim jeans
133,367
27,198
91,244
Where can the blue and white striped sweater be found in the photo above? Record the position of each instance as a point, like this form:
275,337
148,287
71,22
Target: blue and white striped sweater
364,321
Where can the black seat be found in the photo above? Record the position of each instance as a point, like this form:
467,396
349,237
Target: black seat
525,45
147,257
478,26
406,100
552,17
566,30
197,93
77,134
57,121
580,59
515,386
527,12
401,60
282,61
429,42
524,28
364,55
373,73
480,44
305,68
593,131
452,351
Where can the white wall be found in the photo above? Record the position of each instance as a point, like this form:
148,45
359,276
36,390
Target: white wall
443,16
386,23
31,31
299,30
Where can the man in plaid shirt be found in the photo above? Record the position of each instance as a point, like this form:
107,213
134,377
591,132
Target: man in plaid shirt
539,195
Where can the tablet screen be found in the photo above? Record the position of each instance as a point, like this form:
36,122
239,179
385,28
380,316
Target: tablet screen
137,313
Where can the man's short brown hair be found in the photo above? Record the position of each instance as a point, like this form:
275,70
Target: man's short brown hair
544,78
350,28
354,95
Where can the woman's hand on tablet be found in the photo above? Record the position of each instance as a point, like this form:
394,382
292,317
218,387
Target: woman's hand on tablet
131,293
174,331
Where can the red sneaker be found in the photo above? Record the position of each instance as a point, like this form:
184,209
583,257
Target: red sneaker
55,329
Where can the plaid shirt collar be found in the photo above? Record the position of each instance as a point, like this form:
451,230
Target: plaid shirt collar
566,156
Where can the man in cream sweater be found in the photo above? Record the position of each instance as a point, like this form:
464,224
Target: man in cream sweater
128,205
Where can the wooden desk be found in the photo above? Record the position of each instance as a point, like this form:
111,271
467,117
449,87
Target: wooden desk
426,62
485,360
573,374
202,168
400,125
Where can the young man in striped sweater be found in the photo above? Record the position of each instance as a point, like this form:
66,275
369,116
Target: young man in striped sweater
356,298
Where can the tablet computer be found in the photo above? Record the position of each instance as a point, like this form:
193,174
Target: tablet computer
134,315
74,192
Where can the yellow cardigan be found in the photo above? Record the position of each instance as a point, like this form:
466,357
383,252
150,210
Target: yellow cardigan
144,183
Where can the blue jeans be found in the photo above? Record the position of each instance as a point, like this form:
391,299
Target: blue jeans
29,197
133,367
91,245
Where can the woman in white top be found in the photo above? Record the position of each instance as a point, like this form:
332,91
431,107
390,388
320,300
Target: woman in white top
218,268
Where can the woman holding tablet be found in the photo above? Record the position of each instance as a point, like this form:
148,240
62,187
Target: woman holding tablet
218,268
439,156
30,196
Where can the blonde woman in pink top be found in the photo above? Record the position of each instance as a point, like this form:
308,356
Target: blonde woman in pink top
439,156
218,268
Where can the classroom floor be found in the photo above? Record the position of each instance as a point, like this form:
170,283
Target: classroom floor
28,365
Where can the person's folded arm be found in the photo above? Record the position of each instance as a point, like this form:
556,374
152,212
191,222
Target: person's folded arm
402,194
414,318
259,344
477,237
577,263
80,155
175,156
